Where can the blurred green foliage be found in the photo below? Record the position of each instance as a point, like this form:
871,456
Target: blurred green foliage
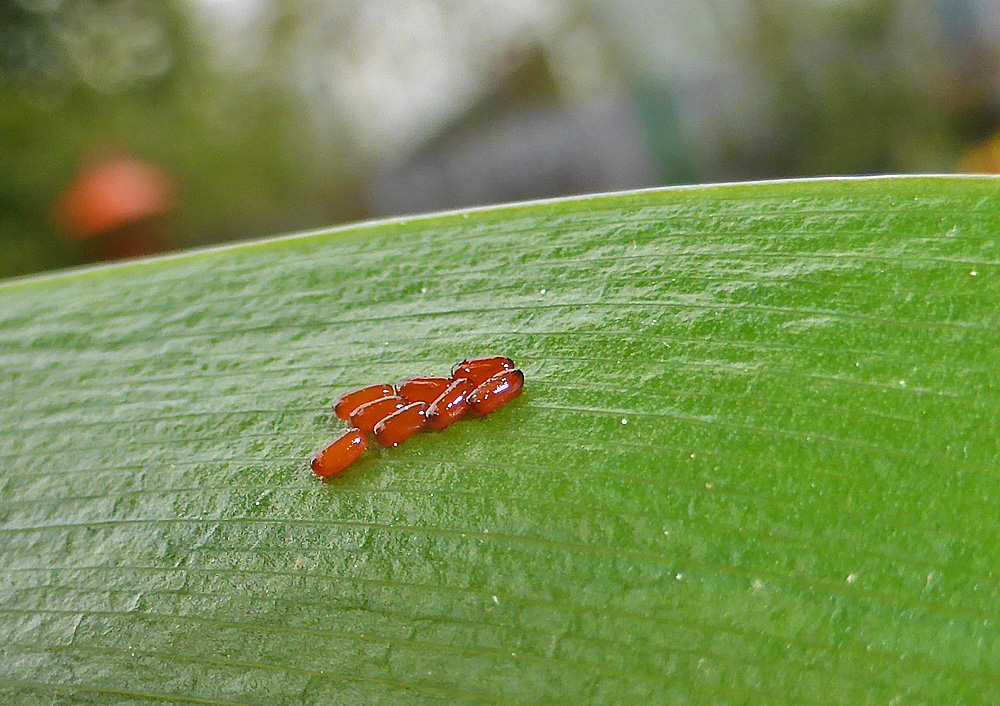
851,99
79,78
316,101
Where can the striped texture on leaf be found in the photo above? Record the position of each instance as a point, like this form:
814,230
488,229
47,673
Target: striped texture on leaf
755,461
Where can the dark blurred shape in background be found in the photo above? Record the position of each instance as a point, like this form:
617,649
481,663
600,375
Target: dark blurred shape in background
239,118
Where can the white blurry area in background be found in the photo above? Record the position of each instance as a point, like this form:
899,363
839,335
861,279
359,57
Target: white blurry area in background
396,69
458,102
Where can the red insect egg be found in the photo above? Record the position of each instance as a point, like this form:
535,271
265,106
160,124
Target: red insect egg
346,405
368,415
479,370
496,392
424,390
401,424
450,406
340,454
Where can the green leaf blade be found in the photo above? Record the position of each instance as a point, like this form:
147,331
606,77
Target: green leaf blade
754,461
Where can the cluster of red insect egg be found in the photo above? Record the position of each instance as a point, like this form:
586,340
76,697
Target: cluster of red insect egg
394,414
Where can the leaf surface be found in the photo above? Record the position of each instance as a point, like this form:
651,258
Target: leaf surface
756,460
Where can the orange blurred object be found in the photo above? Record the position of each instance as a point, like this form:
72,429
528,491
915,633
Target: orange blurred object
116,207
114,193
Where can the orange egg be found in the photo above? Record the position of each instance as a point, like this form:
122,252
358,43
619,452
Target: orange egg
346,405
496,392
426,389
340,454
450,406
479,370
401,424
368,415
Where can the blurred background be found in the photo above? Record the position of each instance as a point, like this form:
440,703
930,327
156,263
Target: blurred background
139,126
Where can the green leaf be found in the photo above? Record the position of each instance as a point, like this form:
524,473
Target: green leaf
756,460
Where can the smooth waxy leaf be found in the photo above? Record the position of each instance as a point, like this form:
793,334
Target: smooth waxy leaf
756,460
